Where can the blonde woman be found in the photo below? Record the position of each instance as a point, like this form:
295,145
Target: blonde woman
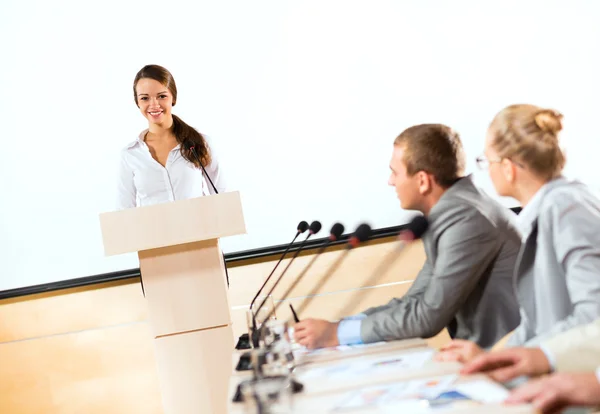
557,274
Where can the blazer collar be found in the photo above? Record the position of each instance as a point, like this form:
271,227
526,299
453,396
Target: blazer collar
528,216
462,185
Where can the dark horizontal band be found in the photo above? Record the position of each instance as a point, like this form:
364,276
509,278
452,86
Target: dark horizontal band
229,258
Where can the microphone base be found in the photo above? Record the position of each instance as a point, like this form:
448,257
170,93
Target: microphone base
244,363
243,342
297,387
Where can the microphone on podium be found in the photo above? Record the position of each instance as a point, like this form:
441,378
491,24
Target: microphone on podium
197,158
414,230
244,339
361,234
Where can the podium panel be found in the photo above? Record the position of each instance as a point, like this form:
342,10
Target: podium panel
185,287
194,370
168,224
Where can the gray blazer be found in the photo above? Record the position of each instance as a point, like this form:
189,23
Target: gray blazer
471,248
557,274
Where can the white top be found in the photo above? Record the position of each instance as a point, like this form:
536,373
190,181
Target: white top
144,181
526,218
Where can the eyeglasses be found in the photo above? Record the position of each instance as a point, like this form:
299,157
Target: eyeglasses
483,163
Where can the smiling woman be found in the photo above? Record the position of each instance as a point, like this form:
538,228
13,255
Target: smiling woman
169,160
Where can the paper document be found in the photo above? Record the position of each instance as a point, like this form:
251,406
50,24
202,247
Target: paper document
484,391
407,393
299,350
424,395
373,366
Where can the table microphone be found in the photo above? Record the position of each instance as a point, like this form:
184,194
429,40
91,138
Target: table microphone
361,234
314,228
244,360
244,339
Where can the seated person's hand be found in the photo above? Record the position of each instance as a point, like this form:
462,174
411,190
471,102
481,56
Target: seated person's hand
553,393
316,333
507,364
459,350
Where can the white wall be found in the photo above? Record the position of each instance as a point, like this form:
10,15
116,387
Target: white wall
303,100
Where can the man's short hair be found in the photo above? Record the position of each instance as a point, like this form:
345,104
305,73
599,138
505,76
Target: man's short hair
435,149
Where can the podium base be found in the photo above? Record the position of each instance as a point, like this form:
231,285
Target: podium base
194,370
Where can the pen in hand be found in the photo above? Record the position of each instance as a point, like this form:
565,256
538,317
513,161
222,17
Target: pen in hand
294,313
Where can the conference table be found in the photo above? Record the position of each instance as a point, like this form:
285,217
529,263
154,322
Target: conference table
390,377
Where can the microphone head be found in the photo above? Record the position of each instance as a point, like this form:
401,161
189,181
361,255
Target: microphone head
418,226
192,149
415,229
315,227
361,234
336,231
302,226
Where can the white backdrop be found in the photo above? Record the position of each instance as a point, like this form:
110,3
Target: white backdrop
302,100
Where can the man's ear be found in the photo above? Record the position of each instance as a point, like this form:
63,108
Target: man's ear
424,182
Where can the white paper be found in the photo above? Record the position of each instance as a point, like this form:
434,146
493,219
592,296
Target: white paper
370,366
412,393
300,350
483,391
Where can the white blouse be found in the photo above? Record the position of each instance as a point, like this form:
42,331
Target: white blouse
144,181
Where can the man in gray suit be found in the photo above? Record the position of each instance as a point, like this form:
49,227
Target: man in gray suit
471,248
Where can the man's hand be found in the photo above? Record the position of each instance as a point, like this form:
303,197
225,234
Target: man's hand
508,364
556,392
316,333
459,350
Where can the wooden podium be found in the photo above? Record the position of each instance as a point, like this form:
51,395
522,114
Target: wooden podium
183,277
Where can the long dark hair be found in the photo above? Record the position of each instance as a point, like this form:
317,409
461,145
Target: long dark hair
186,136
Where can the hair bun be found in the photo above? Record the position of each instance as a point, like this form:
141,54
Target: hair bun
549,120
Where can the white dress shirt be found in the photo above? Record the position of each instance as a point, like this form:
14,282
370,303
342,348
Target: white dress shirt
529,214
144,181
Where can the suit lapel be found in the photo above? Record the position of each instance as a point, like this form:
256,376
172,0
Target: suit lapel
524,273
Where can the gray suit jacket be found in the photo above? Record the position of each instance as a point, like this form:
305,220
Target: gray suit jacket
471,248
558,270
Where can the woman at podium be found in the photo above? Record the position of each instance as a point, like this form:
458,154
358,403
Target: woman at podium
169,160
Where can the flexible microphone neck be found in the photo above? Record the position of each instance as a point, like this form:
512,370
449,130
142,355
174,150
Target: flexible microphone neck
273,271
296,253
315,227
299,277
322,281
362,233
414,230
193,150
